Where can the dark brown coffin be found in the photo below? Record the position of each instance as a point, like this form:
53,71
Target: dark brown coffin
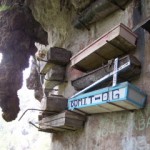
66,120
127,74
54,104
55,56
54,77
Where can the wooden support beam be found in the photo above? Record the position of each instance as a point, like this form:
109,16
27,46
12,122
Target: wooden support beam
55,56
66,120
126,75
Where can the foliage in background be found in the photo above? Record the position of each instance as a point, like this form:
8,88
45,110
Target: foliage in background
4,7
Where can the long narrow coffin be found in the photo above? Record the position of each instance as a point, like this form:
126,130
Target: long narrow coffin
55,56
127,74
120,40
123,96
97,11
66,120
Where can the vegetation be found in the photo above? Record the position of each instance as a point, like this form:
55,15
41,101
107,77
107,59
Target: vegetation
4,7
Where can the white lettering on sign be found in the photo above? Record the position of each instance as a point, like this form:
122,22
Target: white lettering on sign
97,99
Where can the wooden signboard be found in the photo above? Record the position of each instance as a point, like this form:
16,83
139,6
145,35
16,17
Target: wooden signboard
127,74
66,120
120,40
123,96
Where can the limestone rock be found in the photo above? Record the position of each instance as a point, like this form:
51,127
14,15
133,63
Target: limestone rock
19,31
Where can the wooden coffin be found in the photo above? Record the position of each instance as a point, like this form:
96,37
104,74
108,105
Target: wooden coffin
120,40
66,120
97,11
128,74
54,104
123,96
55,56
54,77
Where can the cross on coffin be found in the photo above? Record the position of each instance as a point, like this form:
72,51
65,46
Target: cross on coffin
113,73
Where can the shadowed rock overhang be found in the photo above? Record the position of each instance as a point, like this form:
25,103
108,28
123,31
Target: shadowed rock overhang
19,32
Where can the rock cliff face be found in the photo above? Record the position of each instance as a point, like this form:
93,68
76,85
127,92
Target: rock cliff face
33,82
19,32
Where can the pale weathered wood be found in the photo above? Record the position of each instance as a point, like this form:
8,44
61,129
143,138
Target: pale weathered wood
57,73
120,40
54,77
54,103
49,85
65,114
55,56
64,121
126,75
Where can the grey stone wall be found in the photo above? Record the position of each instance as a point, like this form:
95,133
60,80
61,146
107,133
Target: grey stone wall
109,131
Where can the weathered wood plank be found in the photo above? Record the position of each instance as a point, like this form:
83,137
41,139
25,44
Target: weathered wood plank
123,96
54,103
65,114
120,40
55,56
64,121
54,77
126,75
57,73
49,85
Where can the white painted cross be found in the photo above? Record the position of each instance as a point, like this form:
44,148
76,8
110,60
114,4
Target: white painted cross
115,70
113,73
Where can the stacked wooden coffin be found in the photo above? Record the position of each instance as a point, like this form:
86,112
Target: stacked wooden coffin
53,66
132,71
117,42
61,114
54,116
66,120
97,11
124,96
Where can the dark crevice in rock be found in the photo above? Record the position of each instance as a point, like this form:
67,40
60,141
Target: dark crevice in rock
33,82
19,31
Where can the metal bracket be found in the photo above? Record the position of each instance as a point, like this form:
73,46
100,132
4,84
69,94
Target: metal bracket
35,110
